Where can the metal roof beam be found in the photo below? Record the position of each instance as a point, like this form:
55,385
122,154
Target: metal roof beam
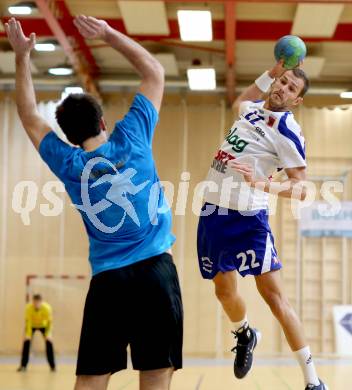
230,31
248,30
263,1
83,71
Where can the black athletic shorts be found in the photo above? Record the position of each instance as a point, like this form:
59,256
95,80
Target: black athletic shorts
138,305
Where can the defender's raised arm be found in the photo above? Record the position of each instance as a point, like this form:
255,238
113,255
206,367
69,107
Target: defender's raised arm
35,126
150,70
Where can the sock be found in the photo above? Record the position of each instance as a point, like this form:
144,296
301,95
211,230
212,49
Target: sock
304,358
240,324
242,330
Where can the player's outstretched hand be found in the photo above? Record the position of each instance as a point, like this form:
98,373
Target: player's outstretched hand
91,28
278,70
21,44
245,169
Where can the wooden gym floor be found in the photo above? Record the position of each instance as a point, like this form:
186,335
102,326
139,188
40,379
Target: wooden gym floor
267,374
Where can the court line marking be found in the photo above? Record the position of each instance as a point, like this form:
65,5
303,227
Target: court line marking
281,379
200,380
257,385
126,384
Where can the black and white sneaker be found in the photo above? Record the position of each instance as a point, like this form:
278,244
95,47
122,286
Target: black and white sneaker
247,340
321,386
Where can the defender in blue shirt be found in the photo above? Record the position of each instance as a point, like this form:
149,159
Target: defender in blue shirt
133,224
114,185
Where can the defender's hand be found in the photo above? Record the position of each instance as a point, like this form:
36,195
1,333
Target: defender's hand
21,44
91,28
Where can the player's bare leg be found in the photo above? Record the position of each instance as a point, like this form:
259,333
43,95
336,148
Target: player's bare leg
235,308
271,289
155,379
92,382
227,294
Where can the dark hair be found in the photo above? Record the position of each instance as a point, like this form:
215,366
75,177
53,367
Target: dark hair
79,117
37,297
302,75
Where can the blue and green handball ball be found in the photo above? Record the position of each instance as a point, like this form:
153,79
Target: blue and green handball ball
291,49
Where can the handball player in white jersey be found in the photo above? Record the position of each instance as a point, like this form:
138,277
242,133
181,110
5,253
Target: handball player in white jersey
233,233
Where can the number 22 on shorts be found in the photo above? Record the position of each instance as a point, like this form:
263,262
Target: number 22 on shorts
248,260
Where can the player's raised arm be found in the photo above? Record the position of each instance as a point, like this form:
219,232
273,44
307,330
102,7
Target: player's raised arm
150,70
260,87
35,126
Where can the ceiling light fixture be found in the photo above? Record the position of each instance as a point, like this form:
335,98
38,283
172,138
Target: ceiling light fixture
68,90
346,95
61,70
22,8
203,79
195,26
45,46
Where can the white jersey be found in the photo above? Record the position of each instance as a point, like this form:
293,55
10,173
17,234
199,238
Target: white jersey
264,139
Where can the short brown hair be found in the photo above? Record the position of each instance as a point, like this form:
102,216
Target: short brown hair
300,73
